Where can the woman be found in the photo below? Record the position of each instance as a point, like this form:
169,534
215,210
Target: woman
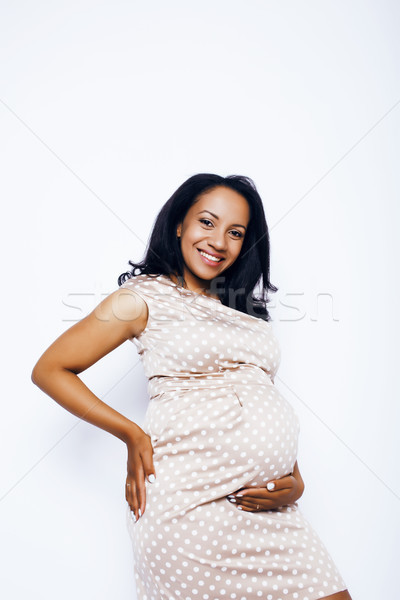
219,442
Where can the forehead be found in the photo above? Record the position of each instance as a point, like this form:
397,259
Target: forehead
224,202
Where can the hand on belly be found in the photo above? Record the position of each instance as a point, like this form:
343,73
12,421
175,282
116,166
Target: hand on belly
277,493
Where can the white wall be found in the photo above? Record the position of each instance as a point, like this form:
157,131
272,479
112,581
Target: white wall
106,108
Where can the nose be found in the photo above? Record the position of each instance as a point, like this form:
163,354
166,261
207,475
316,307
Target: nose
217,240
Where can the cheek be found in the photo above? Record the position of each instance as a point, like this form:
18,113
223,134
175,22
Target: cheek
190,239
194,235
236,248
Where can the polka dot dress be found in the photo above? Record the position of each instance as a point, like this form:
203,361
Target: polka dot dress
217,424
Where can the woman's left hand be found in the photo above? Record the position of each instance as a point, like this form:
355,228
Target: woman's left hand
286,490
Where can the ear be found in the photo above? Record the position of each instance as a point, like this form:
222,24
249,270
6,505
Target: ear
179,230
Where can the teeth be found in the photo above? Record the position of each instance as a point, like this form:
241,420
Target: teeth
209,256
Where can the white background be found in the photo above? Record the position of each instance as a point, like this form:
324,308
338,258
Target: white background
105,109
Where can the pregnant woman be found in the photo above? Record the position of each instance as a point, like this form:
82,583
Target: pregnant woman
213,481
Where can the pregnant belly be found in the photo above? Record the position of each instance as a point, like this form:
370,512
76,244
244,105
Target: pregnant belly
209,443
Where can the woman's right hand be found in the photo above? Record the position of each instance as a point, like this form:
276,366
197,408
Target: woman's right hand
277,493
140,467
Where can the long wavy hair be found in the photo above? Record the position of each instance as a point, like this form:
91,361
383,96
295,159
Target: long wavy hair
163,254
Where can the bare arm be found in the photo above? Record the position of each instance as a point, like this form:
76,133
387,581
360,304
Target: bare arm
120,316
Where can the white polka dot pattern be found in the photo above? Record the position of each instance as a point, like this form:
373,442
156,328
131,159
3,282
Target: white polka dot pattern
217,424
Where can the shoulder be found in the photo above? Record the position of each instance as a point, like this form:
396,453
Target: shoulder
131,302
138,297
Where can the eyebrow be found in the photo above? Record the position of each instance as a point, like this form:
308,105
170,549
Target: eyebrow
216,217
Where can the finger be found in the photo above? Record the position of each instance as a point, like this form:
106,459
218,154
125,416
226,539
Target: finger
135,471
246,509
140,488
254,508
148,465
137,457
274,485
264,504
131,498
252,492
250,501
254,501
259,492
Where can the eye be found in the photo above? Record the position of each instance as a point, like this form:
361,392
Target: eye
238,233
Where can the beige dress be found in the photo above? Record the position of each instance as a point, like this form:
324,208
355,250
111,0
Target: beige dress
217,424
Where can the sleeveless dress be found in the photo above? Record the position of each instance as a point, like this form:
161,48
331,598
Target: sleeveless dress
217,424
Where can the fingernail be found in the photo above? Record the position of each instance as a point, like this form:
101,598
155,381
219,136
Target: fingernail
230,496
133,516
151,478
232,499
140,512
239,495
239,508
270,485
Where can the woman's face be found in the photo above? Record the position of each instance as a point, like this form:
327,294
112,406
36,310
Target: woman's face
215,224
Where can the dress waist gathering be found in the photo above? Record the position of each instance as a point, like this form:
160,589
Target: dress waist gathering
243,375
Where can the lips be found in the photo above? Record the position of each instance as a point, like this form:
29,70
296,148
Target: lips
211,254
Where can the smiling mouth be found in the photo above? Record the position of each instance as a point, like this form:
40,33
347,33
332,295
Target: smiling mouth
210,257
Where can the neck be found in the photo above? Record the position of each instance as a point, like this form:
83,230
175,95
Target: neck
179,280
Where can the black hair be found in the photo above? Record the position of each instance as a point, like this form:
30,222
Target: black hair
163,253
